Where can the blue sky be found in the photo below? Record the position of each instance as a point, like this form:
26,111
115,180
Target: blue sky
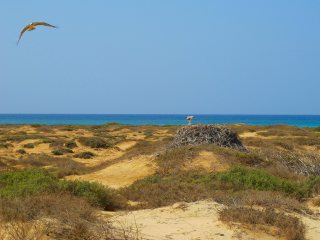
161,56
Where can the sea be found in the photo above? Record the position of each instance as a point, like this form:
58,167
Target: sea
160,119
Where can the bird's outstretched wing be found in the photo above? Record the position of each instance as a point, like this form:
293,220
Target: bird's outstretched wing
43,24
22,32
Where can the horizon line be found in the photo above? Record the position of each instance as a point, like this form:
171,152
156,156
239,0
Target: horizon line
217,114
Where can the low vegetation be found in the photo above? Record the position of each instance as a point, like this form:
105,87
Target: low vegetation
31,182
61,151
84,155
60,166
96,142
287,226
242,178
35,203
21,151
71,144
28,145
162,190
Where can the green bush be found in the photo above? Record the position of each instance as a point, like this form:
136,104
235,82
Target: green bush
61,151
57,152
95,142
84,155
26,182
245,178
70,144
28,145
161,190
96,194
30,182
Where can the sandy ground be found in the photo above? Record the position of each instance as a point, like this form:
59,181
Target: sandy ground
208,161
123,173
196,221
184,221
255,135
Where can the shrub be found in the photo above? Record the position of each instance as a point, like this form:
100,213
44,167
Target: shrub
60,166
148,133
5,145
226,187
237,157
95,142
253,198
158,190
28,145
96,194
288,226
26,182
84,155
62,206
57,152
56,143
70,144
21,151
173,160
242,178
61,151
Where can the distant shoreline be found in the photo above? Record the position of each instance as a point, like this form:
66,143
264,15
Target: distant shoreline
159,119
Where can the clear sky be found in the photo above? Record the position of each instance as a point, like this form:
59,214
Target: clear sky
161,56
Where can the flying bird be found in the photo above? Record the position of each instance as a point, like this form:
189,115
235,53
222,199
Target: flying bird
32,26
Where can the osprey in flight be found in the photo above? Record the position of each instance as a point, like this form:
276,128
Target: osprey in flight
32,26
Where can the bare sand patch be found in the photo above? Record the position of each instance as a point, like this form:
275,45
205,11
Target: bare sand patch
208,161
248,134
312,227
123,173
123,146
40,148
130,134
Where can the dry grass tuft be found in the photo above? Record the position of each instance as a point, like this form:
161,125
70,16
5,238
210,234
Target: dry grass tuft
253,198
289,227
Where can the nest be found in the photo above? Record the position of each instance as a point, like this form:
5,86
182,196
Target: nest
218,135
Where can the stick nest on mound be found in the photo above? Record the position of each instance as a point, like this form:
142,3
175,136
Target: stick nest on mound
218,135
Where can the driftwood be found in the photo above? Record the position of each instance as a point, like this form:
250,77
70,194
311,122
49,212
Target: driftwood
218,135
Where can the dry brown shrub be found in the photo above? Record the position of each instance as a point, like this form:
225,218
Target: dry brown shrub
62,207
265,199
99,230
146,148
69,218
63,166
172,160
316,202
20,230
288,226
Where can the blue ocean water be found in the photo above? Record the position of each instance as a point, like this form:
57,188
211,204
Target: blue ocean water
159,119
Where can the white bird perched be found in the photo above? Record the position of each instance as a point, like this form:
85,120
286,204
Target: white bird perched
189,119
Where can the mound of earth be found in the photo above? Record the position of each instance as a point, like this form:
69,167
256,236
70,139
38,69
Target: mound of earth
218,135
